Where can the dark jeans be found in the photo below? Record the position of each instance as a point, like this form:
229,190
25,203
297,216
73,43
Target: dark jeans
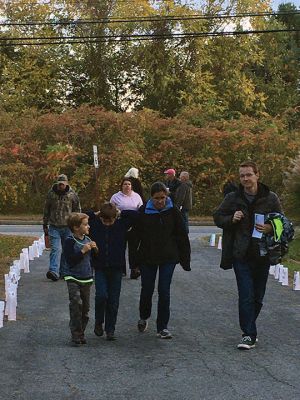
108,288
148,277
251,280
79,296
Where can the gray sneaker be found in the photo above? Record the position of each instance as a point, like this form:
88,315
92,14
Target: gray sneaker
142,325
246,343
164,334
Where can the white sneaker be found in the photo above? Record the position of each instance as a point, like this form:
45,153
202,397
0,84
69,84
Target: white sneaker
164,334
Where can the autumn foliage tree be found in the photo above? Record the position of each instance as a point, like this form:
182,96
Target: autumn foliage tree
49,144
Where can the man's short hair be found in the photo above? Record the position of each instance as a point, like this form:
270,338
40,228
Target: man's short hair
249,164
108,211
184,173
75,220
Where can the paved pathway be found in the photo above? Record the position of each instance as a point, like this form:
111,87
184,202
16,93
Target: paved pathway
200,362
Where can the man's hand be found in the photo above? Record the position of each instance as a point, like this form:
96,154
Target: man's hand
46,229
237,216
264,228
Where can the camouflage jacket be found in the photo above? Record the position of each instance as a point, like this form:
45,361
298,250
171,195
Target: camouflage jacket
58,206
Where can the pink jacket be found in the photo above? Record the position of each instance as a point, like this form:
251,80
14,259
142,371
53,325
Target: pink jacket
124,202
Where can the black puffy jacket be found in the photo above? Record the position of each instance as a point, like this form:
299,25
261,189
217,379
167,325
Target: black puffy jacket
160,238
237,241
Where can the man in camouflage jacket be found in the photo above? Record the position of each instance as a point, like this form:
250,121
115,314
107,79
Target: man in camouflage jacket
61,201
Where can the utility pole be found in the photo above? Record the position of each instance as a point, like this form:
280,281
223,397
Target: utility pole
97,189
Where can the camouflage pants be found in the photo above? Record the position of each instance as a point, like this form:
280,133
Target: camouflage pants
79,297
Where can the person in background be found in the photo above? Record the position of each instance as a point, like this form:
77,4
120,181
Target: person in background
79,274
160,242
172,183
229,187
133,175
241,249
183,197
128,199
61,201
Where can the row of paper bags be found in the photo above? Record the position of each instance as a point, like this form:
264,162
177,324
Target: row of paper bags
9,306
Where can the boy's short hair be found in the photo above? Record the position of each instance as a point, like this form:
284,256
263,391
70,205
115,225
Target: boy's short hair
108,211
75,219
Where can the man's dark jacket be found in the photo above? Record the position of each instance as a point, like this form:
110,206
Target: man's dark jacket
237,241
160,238
173,185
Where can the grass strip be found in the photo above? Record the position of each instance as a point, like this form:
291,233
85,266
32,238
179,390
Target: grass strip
10,249
292,259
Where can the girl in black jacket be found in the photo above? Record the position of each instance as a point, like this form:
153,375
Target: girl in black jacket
160,242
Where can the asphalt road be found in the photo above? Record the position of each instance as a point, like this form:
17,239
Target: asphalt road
200,362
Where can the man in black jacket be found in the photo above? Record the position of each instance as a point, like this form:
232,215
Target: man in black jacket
237,216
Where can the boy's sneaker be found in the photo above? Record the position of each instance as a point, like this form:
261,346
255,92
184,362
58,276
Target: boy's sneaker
76,342
246,343
142,325
83,340
98,329
110,336
52,275
164,334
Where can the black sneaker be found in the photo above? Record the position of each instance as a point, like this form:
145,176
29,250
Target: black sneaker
83,340
142,325
52,275
164,334
110,336
246,343
98,329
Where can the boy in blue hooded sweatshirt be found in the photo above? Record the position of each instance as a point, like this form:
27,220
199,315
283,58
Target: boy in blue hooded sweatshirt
79,274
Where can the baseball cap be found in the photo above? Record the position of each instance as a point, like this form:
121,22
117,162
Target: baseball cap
62,179
170,171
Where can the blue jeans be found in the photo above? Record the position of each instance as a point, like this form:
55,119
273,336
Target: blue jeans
148,277
108,288
57,238
251,277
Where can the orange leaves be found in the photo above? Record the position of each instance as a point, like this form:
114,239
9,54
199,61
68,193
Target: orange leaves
44,146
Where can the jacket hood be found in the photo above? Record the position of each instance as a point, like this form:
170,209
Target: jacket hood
59,192
262,190
150,209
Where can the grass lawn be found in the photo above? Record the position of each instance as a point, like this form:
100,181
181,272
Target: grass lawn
21,217
292,259
10,249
